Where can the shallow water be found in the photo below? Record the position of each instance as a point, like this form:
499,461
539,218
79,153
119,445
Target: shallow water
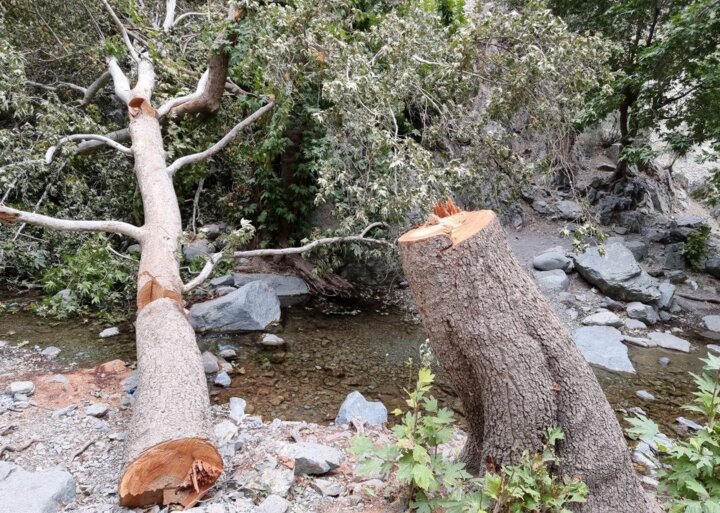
329,355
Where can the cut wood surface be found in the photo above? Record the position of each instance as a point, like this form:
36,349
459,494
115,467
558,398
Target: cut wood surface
511,360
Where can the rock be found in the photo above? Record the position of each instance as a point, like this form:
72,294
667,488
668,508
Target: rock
665,316
50,351
611,304
712,323
97,410
664,361
273,504
603,318
668,341
133,249
617,274
290,289
237,408
645,395
228,354
551,280
314,459
613,152
270,340
355,406
637,341
223,380
541,207
634,324
569,210
111,367
109,332
65,297
197,248
250,308
129,384
223,281
667,294
327,488
22,387
639,249
602,346
674,258
223,434
687,221
211,365
6,403
552,259
34,492
642,312
59,378
676,276
689,424
713,348
224,291
712,266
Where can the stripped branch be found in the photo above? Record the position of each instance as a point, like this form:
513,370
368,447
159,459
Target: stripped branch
57,85
92,144
216,257
171,104
50,154
9,215
123,31
169,15
93,89
120,80
212,150
187,14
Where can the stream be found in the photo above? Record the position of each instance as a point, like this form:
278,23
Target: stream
331,354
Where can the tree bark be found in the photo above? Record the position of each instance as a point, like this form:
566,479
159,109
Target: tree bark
511,361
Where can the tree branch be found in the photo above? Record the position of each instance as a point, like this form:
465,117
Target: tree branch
169,15
199,91
185,15
216,257
122,30
120,80
50,154
212,150
9,215
93,89
92,144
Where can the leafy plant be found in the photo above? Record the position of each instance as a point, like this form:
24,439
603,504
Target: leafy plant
690,474
697,247
434,481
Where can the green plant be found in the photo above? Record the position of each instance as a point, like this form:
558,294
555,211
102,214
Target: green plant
434,481
690,475
697,247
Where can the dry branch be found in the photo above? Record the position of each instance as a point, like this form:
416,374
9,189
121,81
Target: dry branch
123,31
50,154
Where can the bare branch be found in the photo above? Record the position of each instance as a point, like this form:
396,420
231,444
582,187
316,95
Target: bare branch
187,14
120,80
212,150
93,89
169,15
8,214
171,104
92,144
146,79
83,137
57,85
216,257
122,30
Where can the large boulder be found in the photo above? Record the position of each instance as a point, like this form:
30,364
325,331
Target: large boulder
34,492
552,259
290,289
250,308
355,406
617,274
602,346
642,312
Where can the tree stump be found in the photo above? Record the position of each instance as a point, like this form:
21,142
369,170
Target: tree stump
511,360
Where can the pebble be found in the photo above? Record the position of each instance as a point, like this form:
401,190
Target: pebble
59,378
315,459
327,488
273,504
645,395
634,324
664,361
97,410
270,340
228,354
22,387
237,408
109,332
223,380
50,352
211,365
603,318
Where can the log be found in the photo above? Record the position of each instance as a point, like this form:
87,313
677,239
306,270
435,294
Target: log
511,360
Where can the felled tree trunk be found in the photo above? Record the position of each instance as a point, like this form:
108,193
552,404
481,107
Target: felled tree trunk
511,361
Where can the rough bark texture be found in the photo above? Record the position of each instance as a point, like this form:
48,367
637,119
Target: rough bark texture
511,361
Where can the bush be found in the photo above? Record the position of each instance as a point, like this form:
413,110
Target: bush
697,247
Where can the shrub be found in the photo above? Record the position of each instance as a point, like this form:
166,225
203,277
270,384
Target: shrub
697,247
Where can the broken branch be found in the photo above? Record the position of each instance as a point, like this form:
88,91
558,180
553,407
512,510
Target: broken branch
123,31
50,154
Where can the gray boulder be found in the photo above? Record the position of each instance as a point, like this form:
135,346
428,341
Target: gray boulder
290,289
50,352
109,332
355,406
674,258
273,504
197,248
211,364
314,459
712,266
97,409
551,280
667,294
552,259
541,207
634,324
642,312
223,281
669,341
617,274
602,346
639,248
34,492
603,318
22,387
223,380
712,323
250,308
570,210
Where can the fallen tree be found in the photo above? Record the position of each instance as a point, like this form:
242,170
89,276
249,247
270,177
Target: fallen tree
511,361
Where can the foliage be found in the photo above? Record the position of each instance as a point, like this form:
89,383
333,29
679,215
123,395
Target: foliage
92,276
697,247
690,473
435,481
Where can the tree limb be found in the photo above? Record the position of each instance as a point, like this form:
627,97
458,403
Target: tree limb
123,31
50,154
8,214
216,257
169,15
57,85
93,88
166,107
120,80
185,15
212,150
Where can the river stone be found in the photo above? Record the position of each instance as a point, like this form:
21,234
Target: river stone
273,504
223,281
211,365
603,318
712,323
289,289
674,258
667,294
664,361
570,210
250,308
314,459
34,492
712,266
617,274
97,409
551,280
602,346
645,395
50,351
552,259
109,332
355,406
541,207
223,380
22,387
642,312
327,488
237,408
224,291
668,341
270,340
634,324
639,248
